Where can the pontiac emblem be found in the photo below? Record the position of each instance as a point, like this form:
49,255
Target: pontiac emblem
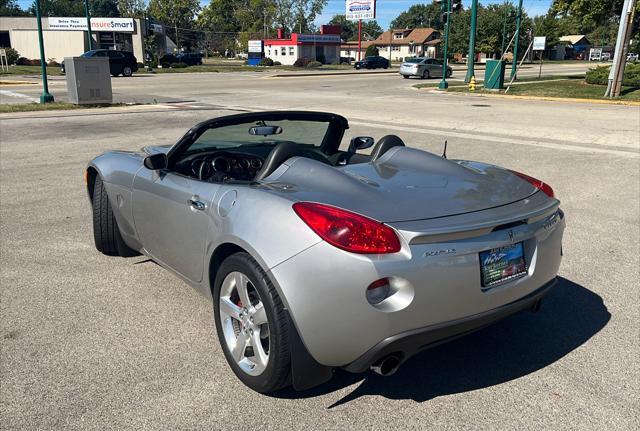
511,235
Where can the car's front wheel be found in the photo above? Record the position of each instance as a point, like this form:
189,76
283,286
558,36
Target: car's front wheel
127,71
252,324
106,233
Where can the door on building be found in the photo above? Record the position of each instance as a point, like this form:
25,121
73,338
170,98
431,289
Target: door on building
320,54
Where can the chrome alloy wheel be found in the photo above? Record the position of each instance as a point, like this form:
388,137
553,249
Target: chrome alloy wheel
244,323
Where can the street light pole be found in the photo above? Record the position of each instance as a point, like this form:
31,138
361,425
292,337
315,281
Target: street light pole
45,97
504,30
472,42
443,85
514,64
88,15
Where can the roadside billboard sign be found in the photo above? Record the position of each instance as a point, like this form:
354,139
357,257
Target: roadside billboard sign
97,24
255,46
539,43
360,9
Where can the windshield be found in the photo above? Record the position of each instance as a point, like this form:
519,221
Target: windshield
88,54
248,134
414,60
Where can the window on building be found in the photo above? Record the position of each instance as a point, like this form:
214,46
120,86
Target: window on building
291,50
283,50
395,48
269,52
398,35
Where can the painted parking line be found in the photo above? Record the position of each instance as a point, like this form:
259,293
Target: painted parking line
15,94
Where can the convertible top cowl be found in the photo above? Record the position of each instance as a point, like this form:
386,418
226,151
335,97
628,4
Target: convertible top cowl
404,185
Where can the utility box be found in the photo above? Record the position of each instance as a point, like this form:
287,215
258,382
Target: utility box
494,75
88,80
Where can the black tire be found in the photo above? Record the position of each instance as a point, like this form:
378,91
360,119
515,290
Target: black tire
426,74
277,374
449,73
127,71
357,67
106,233
405,76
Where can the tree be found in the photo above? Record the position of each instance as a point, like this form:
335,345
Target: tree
297,15
179,15
370,29
104,8
59,8
131,8
419,15
371,51
11,8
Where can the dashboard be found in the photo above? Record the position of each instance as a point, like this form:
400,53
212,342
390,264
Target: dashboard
223,166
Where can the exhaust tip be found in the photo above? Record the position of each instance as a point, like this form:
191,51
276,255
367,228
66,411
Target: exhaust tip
387,365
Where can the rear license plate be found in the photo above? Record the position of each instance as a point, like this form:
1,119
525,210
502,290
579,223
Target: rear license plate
501,264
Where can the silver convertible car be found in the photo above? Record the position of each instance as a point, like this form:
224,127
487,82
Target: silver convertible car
318,258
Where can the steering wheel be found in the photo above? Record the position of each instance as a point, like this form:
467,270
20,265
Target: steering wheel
214,166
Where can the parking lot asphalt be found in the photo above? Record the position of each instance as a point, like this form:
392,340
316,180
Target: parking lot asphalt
92,342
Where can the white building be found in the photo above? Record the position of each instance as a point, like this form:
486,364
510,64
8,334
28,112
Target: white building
403,43
67,36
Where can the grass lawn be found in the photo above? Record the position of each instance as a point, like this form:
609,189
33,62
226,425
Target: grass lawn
571,88
28,107
30,70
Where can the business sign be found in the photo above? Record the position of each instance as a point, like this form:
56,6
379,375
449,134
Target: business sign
97,24
319,38
360,9
255,46
539,43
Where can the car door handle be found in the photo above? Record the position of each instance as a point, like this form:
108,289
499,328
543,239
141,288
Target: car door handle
197,205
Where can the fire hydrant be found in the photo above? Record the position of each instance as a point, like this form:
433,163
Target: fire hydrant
472,84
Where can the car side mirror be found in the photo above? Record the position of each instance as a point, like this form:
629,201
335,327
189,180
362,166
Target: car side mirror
360,143
155,162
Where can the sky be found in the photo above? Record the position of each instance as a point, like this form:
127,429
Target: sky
387,10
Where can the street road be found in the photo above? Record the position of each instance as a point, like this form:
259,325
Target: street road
92,342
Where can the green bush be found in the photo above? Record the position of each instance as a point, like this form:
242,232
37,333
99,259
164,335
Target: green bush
12,55
371,50
179,65
302,62
33,62
277,63
265,62
22,61
53,63
314,64
600,75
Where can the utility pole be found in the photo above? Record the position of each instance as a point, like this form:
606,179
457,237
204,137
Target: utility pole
472,42
616,74
359,39
443,85
88,15
514,64
45,97
504,29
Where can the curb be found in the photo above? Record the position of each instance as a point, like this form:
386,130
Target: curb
545,98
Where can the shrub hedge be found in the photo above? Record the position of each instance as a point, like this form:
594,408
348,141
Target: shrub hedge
600,75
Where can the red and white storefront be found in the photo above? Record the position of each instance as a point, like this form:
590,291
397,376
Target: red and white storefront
323,47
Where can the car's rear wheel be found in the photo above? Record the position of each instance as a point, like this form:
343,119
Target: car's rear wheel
127,71
426,74
449,73
405,76
252,325
106,233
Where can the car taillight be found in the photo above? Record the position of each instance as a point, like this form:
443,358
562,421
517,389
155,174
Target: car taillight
540,185
346,230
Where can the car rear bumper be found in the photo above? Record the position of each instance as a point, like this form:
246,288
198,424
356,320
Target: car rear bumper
409,72
408,343
324,288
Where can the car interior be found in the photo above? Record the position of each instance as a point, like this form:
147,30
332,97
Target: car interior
251,151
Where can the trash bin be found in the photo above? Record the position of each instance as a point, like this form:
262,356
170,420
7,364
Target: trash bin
494,75
88,80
